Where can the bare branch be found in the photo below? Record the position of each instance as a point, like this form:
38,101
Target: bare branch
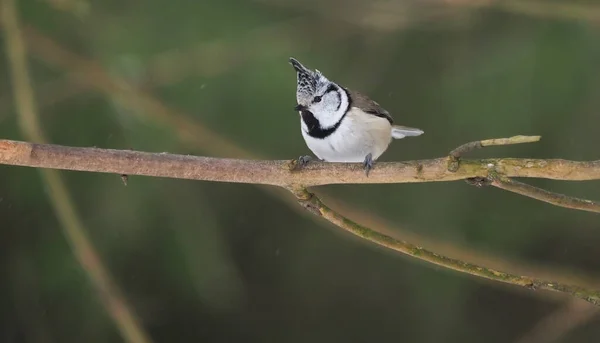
511,140
312,203
467,147
281,172
457,153
503,182
546,196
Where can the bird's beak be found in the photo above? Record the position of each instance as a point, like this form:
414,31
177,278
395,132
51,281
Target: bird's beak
299,108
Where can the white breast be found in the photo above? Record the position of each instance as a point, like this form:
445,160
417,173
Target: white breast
358,135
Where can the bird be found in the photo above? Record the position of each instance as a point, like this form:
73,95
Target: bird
342,125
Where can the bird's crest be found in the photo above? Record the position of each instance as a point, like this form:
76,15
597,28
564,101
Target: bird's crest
308,82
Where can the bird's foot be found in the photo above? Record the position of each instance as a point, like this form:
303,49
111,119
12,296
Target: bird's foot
368,164
301,162
304,160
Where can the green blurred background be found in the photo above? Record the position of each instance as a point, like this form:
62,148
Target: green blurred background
200,261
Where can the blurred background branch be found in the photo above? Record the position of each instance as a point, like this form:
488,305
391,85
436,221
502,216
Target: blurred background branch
73,227
553,327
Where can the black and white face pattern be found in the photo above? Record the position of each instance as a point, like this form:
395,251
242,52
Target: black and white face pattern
325,101
329,104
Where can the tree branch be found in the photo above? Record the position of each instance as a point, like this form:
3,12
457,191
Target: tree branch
311,202
457,153
504,182
284,173
467,147
546,196
73,229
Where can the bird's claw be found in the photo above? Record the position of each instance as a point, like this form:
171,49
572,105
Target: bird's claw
302,161
368,164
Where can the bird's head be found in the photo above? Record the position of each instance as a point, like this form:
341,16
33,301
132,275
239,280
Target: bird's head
326,100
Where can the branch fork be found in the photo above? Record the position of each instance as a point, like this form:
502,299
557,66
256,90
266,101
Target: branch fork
497,179
495,172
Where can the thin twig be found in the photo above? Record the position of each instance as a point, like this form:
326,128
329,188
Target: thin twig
73,229
457,153
504,182
510,141
556,199
468,147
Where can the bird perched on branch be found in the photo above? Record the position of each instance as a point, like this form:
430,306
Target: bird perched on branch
342,125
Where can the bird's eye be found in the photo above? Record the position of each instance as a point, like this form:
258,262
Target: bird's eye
317,99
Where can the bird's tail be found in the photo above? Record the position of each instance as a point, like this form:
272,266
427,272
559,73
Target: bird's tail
399,132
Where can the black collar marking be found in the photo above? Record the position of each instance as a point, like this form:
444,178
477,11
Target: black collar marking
314,126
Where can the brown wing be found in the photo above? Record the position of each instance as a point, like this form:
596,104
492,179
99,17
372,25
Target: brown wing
366,104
